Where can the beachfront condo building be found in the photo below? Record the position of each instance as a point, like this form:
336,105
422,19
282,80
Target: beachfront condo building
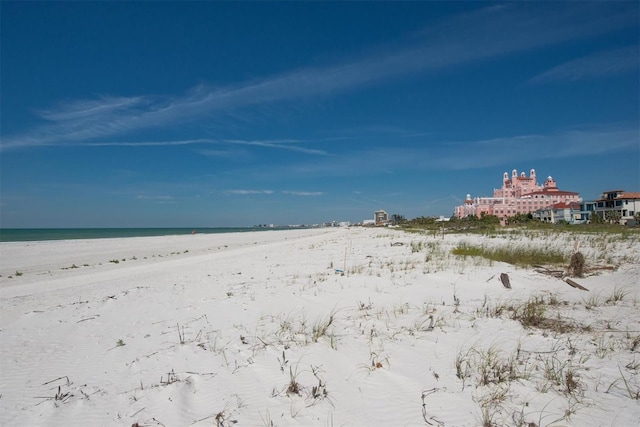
380,217
518,194
616,206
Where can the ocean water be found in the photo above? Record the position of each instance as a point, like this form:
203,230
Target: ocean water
35,234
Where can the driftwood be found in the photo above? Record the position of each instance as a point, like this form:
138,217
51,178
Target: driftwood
574,284
601,267
504,278
546,270
561,274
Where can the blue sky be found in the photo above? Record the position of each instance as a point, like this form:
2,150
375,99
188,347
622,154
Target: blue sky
194,114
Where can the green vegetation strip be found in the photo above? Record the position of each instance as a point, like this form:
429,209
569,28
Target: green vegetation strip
518,256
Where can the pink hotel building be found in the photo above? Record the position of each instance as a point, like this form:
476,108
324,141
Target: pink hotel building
519,194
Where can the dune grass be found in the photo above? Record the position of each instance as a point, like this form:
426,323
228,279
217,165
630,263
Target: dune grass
518,256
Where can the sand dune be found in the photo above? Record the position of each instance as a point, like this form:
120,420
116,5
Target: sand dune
314,327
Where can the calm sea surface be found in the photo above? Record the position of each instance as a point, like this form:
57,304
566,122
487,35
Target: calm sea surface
34,234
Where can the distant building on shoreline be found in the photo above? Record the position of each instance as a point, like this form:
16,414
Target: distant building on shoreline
380,217
519,194
617,206
614,206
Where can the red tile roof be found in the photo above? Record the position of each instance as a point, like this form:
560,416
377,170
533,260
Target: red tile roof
563,205
624,195
629,195
552,191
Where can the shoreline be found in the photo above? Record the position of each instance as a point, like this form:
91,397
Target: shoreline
9,235
46,259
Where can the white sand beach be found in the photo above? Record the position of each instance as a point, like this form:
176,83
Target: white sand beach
322,327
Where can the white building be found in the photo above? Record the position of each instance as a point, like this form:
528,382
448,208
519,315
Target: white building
380,217
624,204
568,212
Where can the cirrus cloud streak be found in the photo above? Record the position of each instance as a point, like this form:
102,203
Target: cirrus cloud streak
481,35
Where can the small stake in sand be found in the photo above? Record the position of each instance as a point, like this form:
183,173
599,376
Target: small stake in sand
344,265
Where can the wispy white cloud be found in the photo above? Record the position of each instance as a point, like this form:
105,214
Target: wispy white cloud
147,143
248,192
227,154
282,144
571,143
147,197
481,35
86,109
304,193
599,64
162,199
476,154
363,200
291,193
